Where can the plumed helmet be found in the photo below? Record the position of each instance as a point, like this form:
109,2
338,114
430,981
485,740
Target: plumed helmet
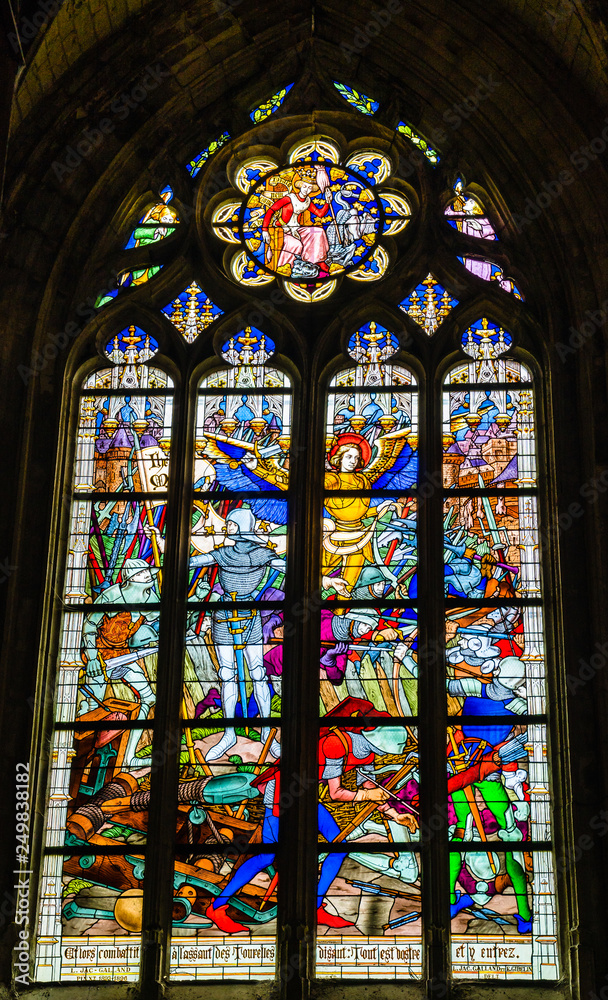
476,647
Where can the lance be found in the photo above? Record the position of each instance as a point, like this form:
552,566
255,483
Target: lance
470,797
269,891
121,533
188,734
90,694
487,506
401,920
478,558
147,505
258,767
380,890
480,631
395,797
371,806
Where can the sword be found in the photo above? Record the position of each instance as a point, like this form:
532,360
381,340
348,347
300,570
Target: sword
137,654
487,506
238,654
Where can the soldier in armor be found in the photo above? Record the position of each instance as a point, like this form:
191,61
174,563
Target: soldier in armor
106,636
237,633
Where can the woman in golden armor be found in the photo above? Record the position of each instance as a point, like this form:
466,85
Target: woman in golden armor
347,541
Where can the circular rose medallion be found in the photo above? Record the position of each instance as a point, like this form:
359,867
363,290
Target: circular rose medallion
311,222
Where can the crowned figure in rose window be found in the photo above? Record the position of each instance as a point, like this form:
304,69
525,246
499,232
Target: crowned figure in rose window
295,246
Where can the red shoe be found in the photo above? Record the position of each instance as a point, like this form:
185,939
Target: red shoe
327,919
222,921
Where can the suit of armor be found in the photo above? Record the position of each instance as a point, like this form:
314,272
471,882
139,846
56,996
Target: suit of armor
237,633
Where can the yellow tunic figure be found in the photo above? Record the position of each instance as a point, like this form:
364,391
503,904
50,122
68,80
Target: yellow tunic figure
347,541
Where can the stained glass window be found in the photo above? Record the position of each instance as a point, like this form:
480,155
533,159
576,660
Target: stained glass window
96,830
487,270
191,312
270,106
431,154
428,304
106,297
312,220
201,158
230,787
233,466
364,104
125,280
156,223
466,214
497,753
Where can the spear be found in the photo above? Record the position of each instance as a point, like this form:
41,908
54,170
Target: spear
378,785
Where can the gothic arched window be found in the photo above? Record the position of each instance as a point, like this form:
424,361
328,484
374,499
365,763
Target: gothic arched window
304,513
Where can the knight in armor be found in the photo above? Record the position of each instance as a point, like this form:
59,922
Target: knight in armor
238,634
108,636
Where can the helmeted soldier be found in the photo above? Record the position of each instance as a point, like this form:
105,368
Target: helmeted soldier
355,749
108,636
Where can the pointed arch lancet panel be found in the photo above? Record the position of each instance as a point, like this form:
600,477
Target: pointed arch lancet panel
96,829
369,901
497,753
226,868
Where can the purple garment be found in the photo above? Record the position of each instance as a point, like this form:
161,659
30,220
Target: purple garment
272,594
481,268
409,795
273,660
451,812
489,821
334,658
211,700
270,621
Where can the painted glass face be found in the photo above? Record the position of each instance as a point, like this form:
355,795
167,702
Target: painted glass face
311,221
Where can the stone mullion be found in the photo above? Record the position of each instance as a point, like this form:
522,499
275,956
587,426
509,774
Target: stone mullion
159,863
298,830
432,697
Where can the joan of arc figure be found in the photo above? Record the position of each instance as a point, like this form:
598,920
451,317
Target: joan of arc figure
237,633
